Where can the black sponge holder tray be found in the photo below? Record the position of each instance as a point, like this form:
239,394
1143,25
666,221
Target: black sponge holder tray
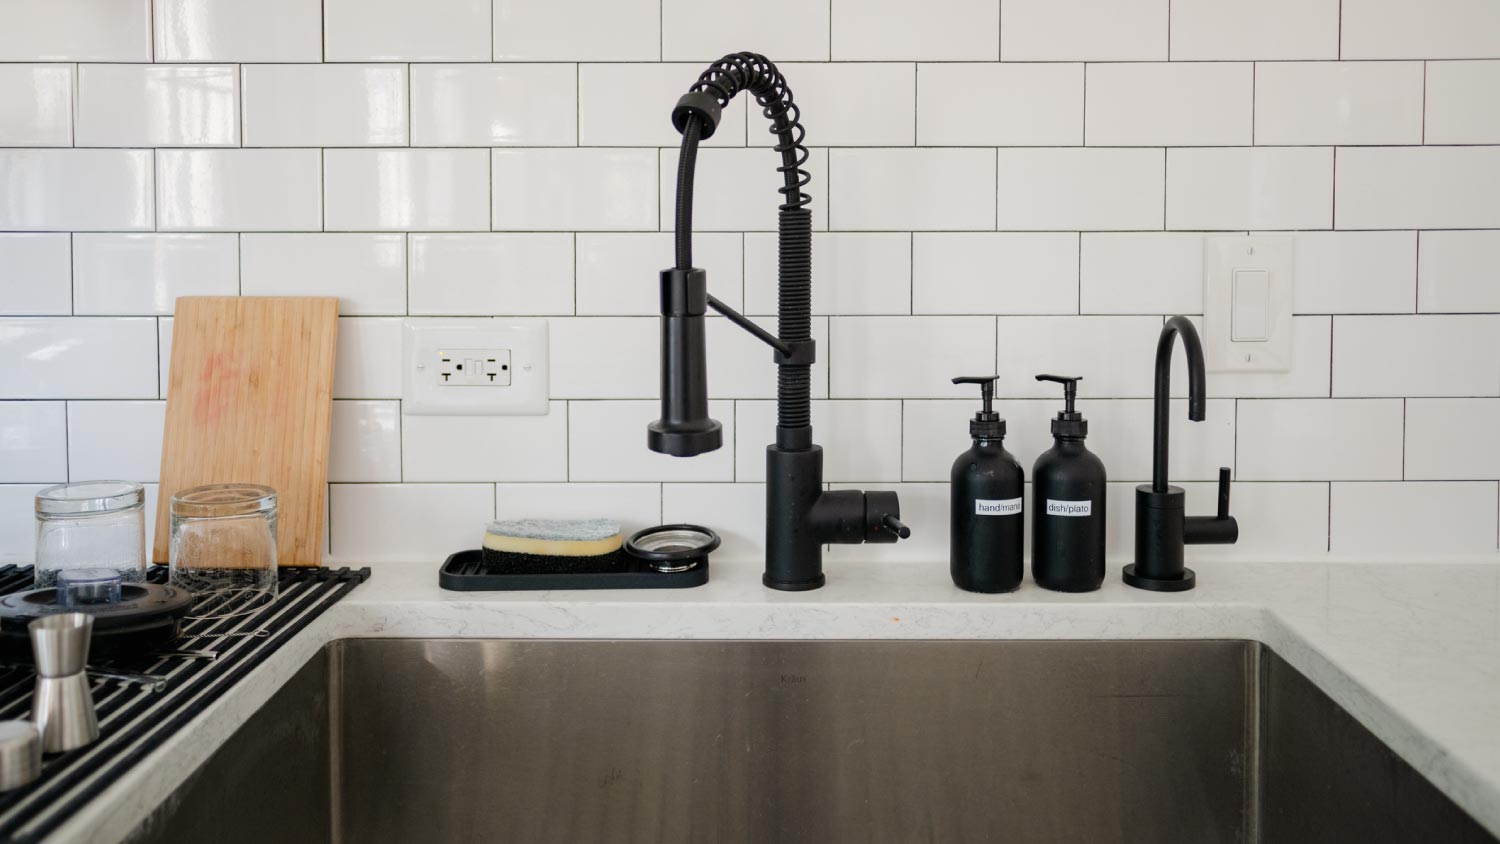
466,571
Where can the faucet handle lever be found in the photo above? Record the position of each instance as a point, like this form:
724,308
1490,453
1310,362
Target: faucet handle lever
896,526
1223,492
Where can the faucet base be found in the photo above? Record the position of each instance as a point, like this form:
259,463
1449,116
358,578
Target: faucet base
1159,584
793,585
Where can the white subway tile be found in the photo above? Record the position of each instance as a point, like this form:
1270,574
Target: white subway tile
364,442
704,30
76,31
737,513
862,439
853,274
368,359
215,31
607,442
1355,272
907,357
1439,444
1113,354
1022,105
367,272
18,522
76,189
1459,271
902,189
995,272
895,30
36,105
732,188
419,523
1169,104
33,442
485,274
575,189
618,273
486,448
922,505
1319,439
634,506
238,190
1308,376
1062,189
621,30
495,105
1255,29
1297,513
146,105
1432,29
35,274
401,31
325,105
1417,355
1250,188
406,189
607,117
77,357
1418,187
740,365
1461,104
852,104
163,354
1413,519
629,369
1338,103
115,439
934,432
1083,30
1141,273
145,273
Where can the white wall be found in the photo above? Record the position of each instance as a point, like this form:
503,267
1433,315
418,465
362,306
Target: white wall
998,184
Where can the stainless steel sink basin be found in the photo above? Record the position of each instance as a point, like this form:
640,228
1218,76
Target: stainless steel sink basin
639,741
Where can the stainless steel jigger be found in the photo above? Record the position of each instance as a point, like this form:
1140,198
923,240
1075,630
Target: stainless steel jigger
62,706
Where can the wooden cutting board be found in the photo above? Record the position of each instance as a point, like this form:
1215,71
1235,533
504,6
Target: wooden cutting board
249,400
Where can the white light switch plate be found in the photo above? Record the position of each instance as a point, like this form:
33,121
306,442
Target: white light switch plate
474,367
1247,303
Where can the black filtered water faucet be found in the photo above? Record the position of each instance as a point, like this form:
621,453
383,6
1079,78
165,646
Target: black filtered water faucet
801,516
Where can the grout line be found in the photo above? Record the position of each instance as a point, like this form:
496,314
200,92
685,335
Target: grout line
1403,437
1329,529
67,442
1254,80
1424,103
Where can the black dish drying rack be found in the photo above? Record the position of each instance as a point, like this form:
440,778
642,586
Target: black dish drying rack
134,719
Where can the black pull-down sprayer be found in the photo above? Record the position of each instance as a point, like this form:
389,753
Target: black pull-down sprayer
801,516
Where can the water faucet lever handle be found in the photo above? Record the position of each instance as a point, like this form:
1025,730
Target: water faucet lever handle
1223,492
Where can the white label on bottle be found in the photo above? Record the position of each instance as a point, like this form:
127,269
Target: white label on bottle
997,507
1069,508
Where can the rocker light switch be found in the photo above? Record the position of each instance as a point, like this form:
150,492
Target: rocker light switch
1251,319
1247,303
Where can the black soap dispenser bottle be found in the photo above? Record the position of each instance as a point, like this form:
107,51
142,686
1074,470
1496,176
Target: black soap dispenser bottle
988,528
1067,506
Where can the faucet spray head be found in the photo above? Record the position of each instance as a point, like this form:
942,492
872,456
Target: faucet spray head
684,429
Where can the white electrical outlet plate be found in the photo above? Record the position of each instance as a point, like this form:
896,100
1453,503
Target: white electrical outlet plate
474,367
1247,303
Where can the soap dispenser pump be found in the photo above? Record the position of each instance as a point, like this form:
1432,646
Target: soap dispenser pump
1067,506
987,526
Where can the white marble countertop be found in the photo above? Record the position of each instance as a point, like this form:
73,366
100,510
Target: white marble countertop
1412,651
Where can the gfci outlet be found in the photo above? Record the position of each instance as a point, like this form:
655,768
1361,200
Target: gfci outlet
1247,303
474,367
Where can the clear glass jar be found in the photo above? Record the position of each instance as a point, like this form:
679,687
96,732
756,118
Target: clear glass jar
224,547
91,524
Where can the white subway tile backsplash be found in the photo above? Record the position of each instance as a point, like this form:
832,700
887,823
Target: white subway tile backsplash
1255,29
164,355
1338,103
1439,445
904,189
1461,106
77,357
1422,519
364,442
1319,439
1169,103
491,274
628,369
1250,188
135,105
863,439
1459,271
907,357
1299,512
1355,272
494,105
732,189
574,189
934,432
995,272
607,442
75,189
18,522
606,118
417,523
1091,189
853,273
737,513
486,448
406,189
1037,104
853,104
1432,29
618,273
76,31
330,105
36,105
33,442
115,439
740,366
402,31
895,30
238,190
367,358
35,274
1141,273
1309,374
1116,30
367,272
1113,354
620,30
634,506
1417,355
126,274
215,31
704,30
1418,187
